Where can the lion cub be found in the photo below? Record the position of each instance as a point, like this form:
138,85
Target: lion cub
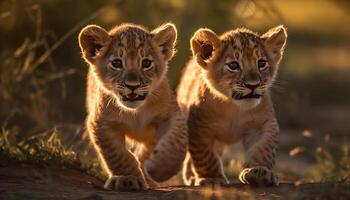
128,95
225,90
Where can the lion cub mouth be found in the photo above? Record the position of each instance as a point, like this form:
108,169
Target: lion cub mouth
134,97
238,96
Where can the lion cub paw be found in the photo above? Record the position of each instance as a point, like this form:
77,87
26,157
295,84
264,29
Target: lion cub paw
261,176
212,181
125,183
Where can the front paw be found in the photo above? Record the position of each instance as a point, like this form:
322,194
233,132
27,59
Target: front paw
261,176
125,183
160,172
212,181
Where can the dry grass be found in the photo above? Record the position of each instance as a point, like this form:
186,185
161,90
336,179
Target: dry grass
45,149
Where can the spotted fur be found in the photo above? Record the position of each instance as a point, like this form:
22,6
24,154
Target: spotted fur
224,90
127,99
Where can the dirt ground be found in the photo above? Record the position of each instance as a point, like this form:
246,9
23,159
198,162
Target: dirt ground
29,182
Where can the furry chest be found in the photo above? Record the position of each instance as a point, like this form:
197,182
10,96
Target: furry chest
139,127
235,129
230,125
229,131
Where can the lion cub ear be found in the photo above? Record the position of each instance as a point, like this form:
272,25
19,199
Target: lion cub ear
165,37
93,41
275,41
203,44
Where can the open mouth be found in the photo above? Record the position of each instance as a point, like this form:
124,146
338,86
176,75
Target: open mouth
134,97
238,96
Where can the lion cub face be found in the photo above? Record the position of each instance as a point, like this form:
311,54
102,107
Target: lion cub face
129,61
239,65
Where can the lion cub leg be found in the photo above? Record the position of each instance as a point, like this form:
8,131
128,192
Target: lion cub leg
260,156
168,155
142,153
123,169
206,160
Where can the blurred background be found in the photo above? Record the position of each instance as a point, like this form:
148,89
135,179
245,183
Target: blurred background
43,78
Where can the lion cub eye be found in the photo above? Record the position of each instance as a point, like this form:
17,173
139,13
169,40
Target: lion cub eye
146,64
262,64
233,66
117,64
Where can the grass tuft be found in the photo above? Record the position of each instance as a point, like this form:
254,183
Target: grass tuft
45,149
332,165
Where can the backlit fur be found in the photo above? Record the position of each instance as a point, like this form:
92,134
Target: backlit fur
116,111
225,106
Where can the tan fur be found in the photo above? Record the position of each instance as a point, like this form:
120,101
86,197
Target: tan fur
212,94
155,121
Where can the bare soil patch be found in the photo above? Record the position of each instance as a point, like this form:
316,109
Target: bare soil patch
31,182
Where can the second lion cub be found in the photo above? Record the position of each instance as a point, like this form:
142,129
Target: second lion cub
225,90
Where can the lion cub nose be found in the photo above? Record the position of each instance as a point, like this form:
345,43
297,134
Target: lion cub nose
132,81
252,87
251,81
132,87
